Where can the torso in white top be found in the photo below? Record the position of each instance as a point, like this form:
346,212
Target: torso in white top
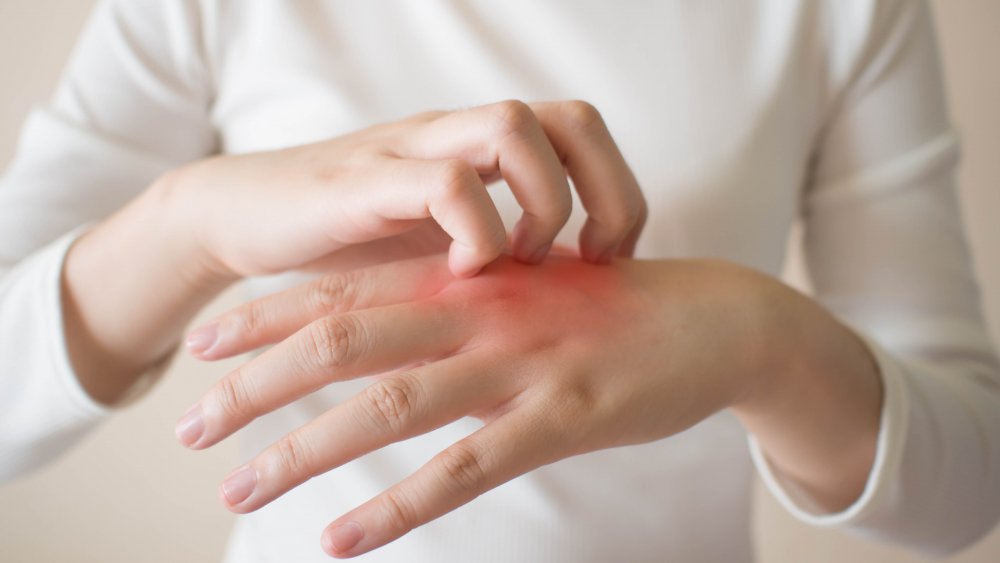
721,159
736,117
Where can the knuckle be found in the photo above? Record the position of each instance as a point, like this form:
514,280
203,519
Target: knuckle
570,404
457,177
391,403
336,292
252,319
293,455
563,208
620,220
462,469
335,342
511,117
623,213
398,514
234,396
553,212
578,396
579,115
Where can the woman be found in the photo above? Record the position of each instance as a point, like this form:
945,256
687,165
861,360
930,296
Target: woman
734,120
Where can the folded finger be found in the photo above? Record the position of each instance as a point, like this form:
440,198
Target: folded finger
506,139
448,190
607,188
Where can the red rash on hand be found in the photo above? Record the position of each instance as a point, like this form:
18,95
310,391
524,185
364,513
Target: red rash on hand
509,301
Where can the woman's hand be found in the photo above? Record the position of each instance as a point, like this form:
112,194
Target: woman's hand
393,191
423,178
557,360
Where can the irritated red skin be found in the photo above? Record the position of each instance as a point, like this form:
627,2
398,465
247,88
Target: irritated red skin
514,281
604,355
509,300
520,307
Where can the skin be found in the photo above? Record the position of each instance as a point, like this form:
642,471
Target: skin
557,360
392,191
686,338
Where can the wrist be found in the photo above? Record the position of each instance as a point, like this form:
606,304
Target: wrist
180,229
129,286
814,402
774,352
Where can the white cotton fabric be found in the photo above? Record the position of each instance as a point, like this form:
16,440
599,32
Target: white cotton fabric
738,118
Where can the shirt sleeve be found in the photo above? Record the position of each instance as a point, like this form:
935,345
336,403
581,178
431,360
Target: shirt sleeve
132,103
886,253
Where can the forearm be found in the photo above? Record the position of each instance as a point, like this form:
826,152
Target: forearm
129,287
816,414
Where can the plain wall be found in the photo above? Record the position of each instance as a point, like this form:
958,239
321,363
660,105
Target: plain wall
129,493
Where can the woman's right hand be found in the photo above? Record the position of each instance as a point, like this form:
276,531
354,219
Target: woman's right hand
274,211
135,280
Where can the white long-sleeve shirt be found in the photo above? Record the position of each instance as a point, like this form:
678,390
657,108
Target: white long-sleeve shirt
738,118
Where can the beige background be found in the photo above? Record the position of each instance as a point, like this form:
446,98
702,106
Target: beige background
130,493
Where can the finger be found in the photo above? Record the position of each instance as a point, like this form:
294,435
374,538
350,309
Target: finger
425,239
608,190
389,410
273,318
507,139
627,247
333,348
506,448
406,191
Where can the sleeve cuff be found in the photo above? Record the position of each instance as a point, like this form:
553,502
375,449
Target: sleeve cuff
44,408
888,457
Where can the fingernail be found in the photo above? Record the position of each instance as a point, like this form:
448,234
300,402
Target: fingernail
191,426
344,537
238,486
202,339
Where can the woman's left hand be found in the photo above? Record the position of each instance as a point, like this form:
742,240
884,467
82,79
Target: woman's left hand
557,360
